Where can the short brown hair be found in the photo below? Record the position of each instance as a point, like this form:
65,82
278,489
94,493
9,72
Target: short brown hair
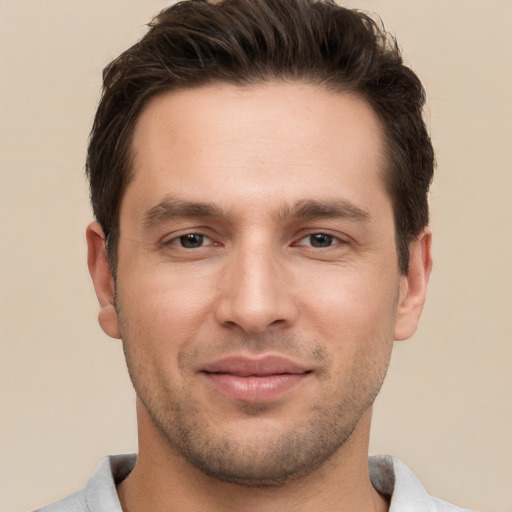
196,42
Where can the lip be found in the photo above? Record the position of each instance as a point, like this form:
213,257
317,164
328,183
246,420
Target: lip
254,380
259,367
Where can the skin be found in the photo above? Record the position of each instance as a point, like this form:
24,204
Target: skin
293,256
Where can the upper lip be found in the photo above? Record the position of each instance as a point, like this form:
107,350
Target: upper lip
244,366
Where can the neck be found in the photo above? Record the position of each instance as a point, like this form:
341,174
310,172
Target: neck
164,480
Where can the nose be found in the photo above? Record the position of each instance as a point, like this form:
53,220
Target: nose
256,291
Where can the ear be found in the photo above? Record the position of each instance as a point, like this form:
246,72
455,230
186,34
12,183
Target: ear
102,279
413,286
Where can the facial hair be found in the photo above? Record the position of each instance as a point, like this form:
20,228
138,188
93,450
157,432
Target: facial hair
270,456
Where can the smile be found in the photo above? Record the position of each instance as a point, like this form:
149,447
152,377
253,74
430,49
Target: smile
254,380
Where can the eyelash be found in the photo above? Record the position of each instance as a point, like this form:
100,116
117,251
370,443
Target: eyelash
180,240
332,239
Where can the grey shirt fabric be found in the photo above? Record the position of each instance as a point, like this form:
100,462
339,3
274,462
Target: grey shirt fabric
389,475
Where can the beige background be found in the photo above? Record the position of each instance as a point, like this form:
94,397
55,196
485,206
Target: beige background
65,399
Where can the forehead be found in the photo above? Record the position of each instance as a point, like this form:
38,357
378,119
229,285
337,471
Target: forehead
281,141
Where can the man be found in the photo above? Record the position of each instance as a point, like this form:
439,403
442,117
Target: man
259,172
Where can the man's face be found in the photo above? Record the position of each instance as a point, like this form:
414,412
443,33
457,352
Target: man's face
258,291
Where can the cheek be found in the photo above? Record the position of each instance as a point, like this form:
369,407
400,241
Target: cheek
351,304
354,316
356,323
163,307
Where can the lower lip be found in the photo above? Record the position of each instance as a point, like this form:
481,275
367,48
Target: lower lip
254,389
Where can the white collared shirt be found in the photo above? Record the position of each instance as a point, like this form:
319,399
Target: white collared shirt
389,475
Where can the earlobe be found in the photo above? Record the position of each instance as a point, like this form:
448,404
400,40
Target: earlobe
413,286
101,275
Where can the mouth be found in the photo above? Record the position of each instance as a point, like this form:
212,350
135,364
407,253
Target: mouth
254,380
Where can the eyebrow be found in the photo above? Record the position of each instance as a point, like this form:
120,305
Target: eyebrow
170,208
336,208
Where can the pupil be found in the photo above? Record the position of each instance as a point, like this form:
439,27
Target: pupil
321,240
191,241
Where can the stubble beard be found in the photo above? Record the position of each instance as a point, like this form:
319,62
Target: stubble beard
269,460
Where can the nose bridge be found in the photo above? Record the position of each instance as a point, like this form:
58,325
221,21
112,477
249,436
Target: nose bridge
255,295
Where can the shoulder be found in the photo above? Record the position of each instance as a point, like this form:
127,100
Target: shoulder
391,476
99,494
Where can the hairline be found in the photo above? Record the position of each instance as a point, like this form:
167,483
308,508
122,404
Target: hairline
326,84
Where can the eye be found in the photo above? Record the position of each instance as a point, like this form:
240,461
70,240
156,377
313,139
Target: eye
318,240
190,241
